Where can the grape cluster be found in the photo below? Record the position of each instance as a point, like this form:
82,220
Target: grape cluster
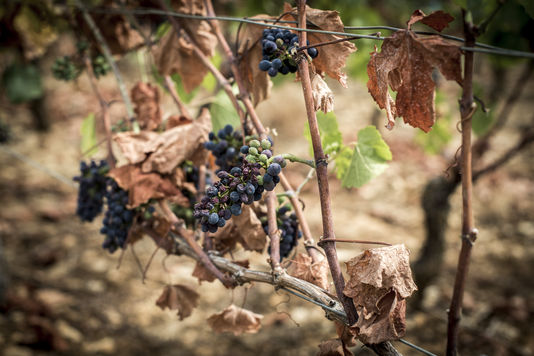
280,50
92,189
242,184
118,218
65,69
288,225
100,66
225,147
259,152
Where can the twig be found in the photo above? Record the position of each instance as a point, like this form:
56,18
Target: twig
469,233
169,84
103,109
292,158
310,175
245,98
322,242
273,231
107,53
198,52
177,226
322,176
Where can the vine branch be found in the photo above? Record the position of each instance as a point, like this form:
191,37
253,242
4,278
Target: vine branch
469,233
109,57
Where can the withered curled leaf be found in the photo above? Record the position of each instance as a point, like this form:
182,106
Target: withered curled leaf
304,268
178,297
162,153
380,280
175,54
256,81
323,98
236,320
142,186
333,347
331,58
405,65
145,97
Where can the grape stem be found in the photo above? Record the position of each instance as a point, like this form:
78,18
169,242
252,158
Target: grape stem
292,158
178,227
107,54
104,106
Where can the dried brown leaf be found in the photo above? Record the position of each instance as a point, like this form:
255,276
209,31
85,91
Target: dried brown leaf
177,120
331,58
405,64
384,267
178,297
142,186
202,273
304,268
245,229
438,20
115,28
256,82
236,320
249,231
145,97
323,98
389,323
163,152
379,281
174,53
333,347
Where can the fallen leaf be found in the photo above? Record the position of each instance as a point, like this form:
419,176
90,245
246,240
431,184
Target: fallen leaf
380,280
405,64
175,54
323,98
315,273
256,82
333,347
331,58
178,297
145,97
236,320
142,186
163,152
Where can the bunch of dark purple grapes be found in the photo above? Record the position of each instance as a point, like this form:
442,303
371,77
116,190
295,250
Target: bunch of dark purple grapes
289,230
243,184
118,218
92,189
280,50
225,147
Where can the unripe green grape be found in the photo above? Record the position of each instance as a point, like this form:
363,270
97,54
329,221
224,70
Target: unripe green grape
254,143
265,144
253,151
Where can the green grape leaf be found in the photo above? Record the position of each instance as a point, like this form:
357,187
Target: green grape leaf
223,113
22,83
369,158
331,137
88,143
342,161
